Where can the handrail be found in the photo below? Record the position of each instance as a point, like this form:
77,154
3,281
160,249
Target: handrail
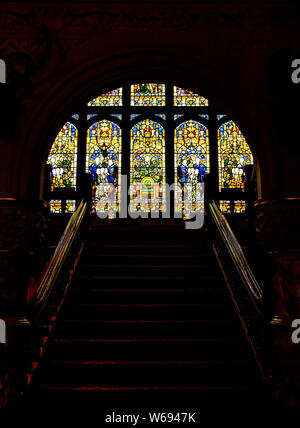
252,286
58,259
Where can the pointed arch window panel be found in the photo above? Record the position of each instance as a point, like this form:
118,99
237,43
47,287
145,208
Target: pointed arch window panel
110,99
185,98
63,158
147,168
234,154
191,163
103,161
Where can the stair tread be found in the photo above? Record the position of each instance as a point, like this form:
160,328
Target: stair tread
96,387
147,362
171,339
134,340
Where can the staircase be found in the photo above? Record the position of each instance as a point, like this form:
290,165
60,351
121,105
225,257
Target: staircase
148,322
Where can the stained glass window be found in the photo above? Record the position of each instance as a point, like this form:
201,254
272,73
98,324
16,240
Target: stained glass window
147,167
225,207
70,206
55,206
103,161
148,94
63,157
234,154
146,142
112,98
191,150
133,116
183,97
239,207
89,116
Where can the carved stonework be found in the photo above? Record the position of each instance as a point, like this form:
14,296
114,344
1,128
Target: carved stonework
23,248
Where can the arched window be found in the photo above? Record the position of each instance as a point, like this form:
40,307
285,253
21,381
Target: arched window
63,156
103,161
191,149
153,133
147,166
234,154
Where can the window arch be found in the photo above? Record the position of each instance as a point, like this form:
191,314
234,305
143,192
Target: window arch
155,132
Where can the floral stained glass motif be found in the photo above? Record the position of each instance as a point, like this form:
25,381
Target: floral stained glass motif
234,154
147,167
162,116
185,98
148,94
177,116
103,161
63,157
191,163
118,116
112,98
75,116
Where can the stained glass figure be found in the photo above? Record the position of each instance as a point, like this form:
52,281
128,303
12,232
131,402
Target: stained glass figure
147,167
112,98
185,98
103,161
191,163
234,154
148,94
63,157
55,206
